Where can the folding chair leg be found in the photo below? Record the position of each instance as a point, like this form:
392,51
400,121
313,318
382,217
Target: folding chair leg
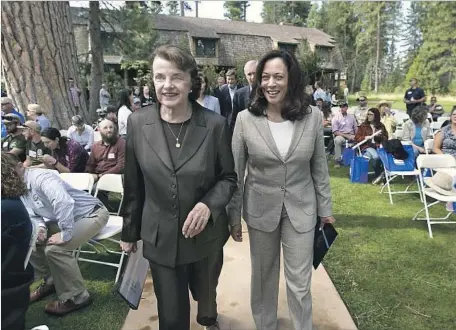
388,179
120,266
428,220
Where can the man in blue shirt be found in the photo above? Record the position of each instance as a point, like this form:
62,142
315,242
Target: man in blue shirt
7,108
414,96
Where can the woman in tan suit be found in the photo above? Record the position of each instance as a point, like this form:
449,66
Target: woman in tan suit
279,139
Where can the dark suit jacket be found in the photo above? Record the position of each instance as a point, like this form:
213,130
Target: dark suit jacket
159,195
240,102
225,102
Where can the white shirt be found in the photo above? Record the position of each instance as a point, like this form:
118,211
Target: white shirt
122,118
282,134
85,139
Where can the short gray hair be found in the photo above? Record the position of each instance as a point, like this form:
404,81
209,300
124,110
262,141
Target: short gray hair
419,114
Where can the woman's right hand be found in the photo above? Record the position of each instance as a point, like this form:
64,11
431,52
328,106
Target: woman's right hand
236,232
128,247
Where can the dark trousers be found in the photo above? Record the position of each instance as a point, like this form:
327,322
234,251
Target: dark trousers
171,289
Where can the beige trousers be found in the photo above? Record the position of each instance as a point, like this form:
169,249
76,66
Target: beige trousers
265,258
57,261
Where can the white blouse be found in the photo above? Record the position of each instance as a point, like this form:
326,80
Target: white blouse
282,134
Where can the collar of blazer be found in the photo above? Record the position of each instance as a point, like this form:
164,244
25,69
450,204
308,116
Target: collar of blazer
194,136
261,123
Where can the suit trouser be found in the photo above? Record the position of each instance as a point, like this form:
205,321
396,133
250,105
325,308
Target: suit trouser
58,262
171,289
265,258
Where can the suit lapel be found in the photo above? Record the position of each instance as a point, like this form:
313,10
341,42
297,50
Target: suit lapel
153,131
299,127
246,98
262,126
195,135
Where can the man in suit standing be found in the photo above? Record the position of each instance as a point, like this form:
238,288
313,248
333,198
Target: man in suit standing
220,83
227,94
242,95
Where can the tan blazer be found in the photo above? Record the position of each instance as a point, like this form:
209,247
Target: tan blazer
300,181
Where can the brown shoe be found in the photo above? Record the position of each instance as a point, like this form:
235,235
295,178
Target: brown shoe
61,308
42,291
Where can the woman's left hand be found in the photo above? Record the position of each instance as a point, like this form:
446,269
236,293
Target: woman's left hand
325,220
48,160
196,220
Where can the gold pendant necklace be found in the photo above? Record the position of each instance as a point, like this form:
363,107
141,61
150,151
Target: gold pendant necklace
178,145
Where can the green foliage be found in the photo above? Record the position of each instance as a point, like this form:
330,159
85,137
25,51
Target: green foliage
155,7
293,12
309,62
235,10
239,67
114,83
134,31
210,71
173,8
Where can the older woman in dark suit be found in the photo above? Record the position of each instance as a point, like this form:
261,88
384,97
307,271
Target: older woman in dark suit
279,140
179,177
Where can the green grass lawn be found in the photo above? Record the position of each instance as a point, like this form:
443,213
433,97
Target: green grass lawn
388,271
397,101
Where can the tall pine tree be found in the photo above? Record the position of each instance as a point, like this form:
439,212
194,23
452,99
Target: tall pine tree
292,12
236,10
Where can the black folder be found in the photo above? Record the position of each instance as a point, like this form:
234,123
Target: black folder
322,241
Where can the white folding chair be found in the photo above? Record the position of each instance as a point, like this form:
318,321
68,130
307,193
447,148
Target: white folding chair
434,162
429,146
80,181
399,168
63,132
442,119
399,133
32,246
109,183
96,136
435,127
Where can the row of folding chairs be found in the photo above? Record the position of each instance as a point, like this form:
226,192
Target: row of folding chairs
108,183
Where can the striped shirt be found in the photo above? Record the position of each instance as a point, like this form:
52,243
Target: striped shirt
48,196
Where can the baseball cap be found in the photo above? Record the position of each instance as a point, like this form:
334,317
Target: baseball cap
361,98
33,125
136,100
6,100
11,118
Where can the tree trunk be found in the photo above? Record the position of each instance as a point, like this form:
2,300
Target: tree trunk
196,8
96,48
39,56
377,57
182,8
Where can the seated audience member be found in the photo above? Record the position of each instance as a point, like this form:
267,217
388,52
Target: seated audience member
108,155
8,109
319,103
111,113
445,140
326,116
14,142
34,112
67,218
67,155
16,236
205,99
417,129
81,133
436,110
344,128
387,118
34,148
361,110
146,98
136,104
371,125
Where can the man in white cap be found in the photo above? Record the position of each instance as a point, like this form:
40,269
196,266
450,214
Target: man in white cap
34,112
7,108
34,148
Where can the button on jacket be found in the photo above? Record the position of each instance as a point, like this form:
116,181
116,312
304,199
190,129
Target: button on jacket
159,194
300,181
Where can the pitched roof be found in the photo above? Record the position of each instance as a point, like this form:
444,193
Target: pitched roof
210,28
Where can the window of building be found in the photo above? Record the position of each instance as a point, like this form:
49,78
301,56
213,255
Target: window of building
323,53
108,39
205,47
291,48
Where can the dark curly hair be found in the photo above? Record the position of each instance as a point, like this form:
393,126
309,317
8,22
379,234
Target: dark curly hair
184,61
296,103
53,133
13,185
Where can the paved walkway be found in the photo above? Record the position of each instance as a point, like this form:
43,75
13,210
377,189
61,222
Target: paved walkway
329,312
